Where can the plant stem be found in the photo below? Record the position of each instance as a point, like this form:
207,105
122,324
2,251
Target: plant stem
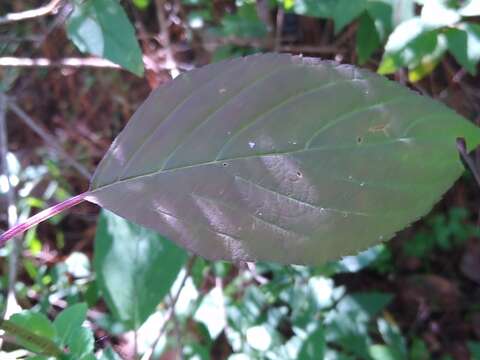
41,216
462,149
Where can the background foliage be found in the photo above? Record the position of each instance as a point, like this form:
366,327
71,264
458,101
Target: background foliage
131,293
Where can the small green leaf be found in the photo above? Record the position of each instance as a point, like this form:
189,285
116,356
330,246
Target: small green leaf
367,38
414,46
424,62
314,346
135,267
81,343
30,322
109,354
69,320
464,44
101,28
141,4
383,352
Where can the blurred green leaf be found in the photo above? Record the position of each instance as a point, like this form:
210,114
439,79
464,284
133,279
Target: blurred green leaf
347,323
423,63
360,261
474,347
69,320
81,343
399,39
403,10
314,346
109,354
367,38
464,44
101,28
346,11
393,338
383,352
243,23
135,267
415,46
382,15
418,350
141,4
37,324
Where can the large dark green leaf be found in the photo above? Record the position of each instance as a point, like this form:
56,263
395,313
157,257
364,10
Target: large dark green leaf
281,158
135,267
101,27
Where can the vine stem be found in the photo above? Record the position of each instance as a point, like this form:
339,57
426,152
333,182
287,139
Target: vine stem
41,216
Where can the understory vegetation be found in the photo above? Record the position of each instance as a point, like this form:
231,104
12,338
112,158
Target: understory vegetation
88,284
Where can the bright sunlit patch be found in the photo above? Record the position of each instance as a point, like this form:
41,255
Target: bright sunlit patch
196,22
323,289
147,334
212,312
187,296
259,338
4,185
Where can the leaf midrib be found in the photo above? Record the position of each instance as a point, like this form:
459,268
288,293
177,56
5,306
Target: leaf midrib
217,162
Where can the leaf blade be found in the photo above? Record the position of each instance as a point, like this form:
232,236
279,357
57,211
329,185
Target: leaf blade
235,175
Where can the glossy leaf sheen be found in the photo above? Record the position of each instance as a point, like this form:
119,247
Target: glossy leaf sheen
280,158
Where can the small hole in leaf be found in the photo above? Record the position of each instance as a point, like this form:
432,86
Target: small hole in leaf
359,140
224,164
299,174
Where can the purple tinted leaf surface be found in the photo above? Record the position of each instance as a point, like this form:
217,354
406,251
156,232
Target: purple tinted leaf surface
281,158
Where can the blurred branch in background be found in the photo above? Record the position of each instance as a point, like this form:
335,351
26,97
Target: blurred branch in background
49,139
10,61
31,14
163,22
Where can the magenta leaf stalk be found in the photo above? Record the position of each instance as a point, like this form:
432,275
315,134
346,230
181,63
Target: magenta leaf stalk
41,216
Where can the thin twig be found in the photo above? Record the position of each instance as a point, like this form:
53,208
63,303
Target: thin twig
170,61
49,139
171,311
462,149
178,333
10,61
30,14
